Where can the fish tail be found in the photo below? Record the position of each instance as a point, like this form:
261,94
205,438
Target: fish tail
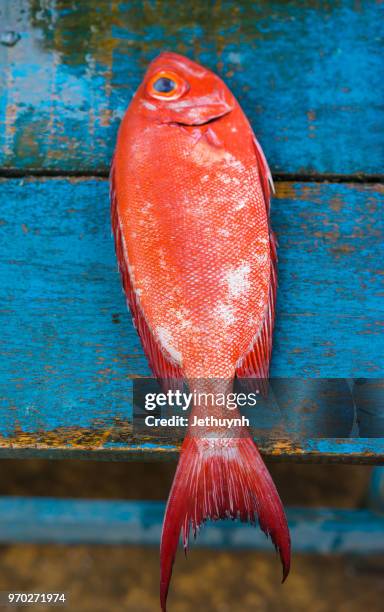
219,479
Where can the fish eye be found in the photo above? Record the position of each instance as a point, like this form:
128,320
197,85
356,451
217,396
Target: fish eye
166,85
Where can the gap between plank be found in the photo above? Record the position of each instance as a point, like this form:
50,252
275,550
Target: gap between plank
277,176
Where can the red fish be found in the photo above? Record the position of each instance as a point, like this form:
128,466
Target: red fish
190,194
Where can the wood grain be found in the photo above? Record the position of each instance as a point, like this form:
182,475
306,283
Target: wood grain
308,74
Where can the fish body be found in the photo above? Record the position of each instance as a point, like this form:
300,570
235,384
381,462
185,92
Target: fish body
190,191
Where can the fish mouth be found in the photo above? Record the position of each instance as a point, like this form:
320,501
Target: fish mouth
195,114
200,122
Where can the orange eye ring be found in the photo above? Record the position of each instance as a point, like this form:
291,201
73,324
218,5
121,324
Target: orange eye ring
166,85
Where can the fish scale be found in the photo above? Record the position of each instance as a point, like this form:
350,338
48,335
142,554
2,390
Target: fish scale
203,238
190,211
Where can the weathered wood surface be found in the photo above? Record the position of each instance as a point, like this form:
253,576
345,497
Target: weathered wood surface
308,74
78,443
69,352
69,521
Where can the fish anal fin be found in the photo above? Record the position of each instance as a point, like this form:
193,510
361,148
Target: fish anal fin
255,362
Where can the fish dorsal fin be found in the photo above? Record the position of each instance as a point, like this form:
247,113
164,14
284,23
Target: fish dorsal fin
255,362
163,368
265,175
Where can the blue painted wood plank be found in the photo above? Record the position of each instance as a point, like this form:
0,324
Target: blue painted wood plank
69,352
69,521
376,490
308,74
72,443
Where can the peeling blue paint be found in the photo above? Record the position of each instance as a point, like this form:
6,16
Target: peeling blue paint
309,78
68,347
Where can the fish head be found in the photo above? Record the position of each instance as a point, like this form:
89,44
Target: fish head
176,90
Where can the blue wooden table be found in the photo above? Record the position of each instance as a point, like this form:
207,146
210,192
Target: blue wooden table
309,76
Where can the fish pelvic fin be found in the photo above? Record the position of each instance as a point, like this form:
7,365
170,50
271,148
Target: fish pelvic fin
216,479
